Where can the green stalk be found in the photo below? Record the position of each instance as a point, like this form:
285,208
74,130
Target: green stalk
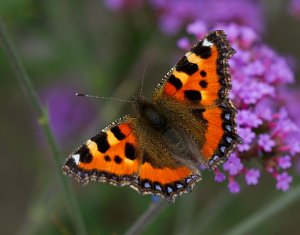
149,215
29,91
265,213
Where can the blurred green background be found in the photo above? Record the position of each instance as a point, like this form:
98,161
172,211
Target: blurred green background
84,47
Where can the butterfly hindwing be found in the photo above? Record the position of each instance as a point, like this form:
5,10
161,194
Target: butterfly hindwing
201,81
115,156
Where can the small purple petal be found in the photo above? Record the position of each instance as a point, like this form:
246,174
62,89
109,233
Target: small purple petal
233,186
248,118
252,176
219,177
247,136
198,28
265,141
283,181
233,165
183,43
284,162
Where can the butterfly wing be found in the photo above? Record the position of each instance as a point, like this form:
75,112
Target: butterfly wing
116,156
201,81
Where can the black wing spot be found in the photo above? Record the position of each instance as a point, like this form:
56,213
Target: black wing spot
101,141
118,160
187,67
203,83
203,51
193,95
107,158
176,82
85,155
203,73
130,151
117,133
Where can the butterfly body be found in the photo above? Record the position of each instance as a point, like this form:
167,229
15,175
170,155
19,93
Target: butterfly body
189,121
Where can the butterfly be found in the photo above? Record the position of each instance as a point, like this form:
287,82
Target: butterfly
189,122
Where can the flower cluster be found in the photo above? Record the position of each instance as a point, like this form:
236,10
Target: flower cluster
174,14
259,90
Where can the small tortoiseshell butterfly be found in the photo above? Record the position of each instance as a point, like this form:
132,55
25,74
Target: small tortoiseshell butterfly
189,121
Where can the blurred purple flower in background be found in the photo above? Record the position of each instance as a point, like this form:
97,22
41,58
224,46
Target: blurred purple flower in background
270,132
118,5
252,176
174,14
294,8
68,114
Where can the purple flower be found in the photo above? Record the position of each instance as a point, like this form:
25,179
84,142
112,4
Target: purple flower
247,136
248,118
233,165
198,28
183,43
265,141
284,162
173,14
233,186
252,176
283,181
118,5
219,176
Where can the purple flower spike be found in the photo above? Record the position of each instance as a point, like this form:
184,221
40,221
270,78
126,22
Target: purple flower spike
265,141
283,181
233,186
284,162
252,176
233,165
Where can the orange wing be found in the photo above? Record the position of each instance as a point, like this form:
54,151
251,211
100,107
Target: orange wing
202,82
114,156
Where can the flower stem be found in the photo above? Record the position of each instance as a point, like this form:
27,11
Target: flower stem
29,91
264,214
154,209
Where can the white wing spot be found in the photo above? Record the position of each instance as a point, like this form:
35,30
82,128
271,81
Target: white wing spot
207,43
76,158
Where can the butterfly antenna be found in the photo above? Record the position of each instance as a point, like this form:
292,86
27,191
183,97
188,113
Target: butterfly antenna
103,97
143,78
